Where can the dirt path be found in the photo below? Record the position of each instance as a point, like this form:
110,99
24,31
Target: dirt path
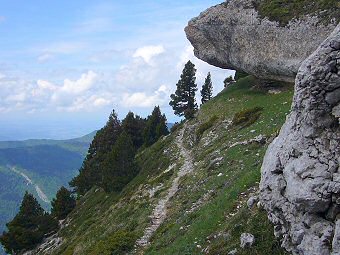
160,212
40,193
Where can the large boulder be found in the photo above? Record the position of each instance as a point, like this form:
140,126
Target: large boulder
233,36
300,183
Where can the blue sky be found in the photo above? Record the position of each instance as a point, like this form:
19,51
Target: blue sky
64,65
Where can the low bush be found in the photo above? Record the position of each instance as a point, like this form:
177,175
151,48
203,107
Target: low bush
205,126
247,117
119,243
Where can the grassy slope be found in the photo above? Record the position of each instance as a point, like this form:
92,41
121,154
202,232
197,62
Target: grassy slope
111,223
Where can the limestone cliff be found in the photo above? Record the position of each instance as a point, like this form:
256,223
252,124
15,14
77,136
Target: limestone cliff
300,183
232,35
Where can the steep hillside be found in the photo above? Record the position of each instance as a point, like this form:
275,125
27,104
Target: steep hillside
190,195
39,166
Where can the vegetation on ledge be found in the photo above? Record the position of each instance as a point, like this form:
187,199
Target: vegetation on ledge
284,11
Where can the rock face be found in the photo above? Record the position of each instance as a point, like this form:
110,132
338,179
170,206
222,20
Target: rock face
300,184
231,35
246,240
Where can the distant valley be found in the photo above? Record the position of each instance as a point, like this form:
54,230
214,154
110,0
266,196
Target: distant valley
38,166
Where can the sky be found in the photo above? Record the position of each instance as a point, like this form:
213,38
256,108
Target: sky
64,65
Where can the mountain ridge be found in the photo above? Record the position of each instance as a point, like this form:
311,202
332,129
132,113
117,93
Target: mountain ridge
26,165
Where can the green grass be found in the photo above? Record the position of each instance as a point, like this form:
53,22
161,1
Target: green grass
240,169
285,10
118,243
247,117
111,223
206,125
106,223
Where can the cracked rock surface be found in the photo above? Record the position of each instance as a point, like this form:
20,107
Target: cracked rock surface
231,35
300,182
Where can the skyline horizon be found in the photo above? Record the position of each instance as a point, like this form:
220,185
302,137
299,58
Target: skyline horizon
73,62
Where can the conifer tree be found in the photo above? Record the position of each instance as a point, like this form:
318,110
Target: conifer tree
155,127
206,92
183,101
120,166
134,125
63,204
28,227
103,142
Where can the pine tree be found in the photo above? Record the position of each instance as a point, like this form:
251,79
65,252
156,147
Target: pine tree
103,142
28,227
120,166
162,128
183,101
63,204
155,127
134,125
206,92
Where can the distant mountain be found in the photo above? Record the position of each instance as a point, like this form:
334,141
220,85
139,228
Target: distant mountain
38,166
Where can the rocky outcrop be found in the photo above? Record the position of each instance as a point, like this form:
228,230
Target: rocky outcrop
300,184
233,36
247,240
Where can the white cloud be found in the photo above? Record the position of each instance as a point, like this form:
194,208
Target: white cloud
84,103
70,95
99,102
136,84
16,97
186,55
45,57
85,82
148,52
142,99
2,76
42,84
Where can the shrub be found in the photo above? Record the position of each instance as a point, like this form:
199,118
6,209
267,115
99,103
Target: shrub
206,125
119,243
247,117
